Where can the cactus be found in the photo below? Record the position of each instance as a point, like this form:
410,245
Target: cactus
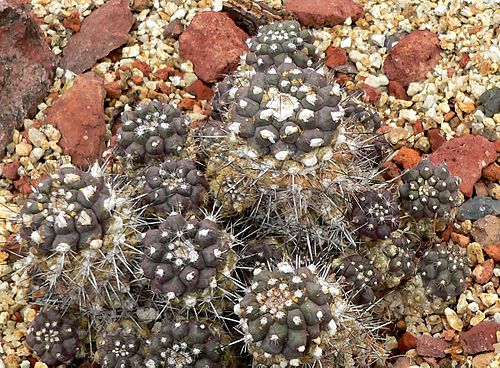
429,190
376,214
361,275
185,344
281,42
122,344
174,186
152,131
53,337
187,260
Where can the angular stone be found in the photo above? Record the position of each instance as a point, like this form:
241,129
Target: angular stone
492,172
482,272
406,342
335,56
79,115
104,30
493,251
27,67
436,139
214,45
321,13
407,157
480,338
478,207
486,230
200,90
413,57
428,346
491,101
466,157
395,89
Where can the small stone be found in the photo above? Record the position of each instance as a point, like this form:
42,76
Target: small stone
335,56
140,5
371,94
480,338
413,56
377,81
36,137
475,253
23,149
435,138
200,90
460,239
483,360
462,304
40,365
478,207
407,341
72,21
397,90
466,157
113,89
488,299
491,101
492,172
173,29
466,107
453,320
482,272
407,157
397,134
493,251
36,154
321,13
10,170
434,347
486,230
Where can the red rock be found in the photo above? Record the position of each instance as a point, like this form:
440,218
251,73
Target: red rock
497,145
321,13
464,60
113,89
403,362
25,185
407,157
480,338
72,21
174,29
486,230
493,251
371,94
434,347
415,54
140,5
492,172
142,66
391,170
397,90
79,116
449,115
466,156
335,56
200,90
214,45
482,272
418,127
27,67
436,139
187,103
10,170
460,239
164,73
104,30
406,342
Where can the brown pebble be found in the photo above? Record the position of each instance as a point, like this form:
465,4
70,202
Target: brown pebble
460,239
483,272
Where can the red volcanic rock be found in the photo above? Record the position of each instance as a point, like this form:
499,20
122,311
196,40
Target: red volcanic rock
10,170
200,90
407,341
79,116
466,157
436,139
480,338
397,90
320,13
416,54
214,45
335,56
26,67
102,31
371,94
407,157
493,251
492,172
482,272
434,347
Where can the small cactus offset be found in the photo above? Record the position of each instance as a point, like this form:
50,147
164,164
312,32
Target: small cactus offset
187,259
185,344
444,270
429,190
67,210
153,131
281,42
121,345
174,186
362,276
361,114
53,337
376,214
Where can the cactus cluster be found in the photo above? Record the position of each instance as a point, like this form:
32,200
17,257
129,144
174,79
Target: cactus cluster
281,42
361,114
174,186
287,112
152,131
185,344
376,214
67,211
53,337
187,259
429,190
443,271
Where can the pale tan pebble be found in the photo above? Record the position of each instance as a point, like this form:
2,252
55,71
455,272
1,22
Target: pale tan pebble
475,253
25,364
462,304
409,115
40,365
453,320
51,133
488,299
12,361
477,318
466,226
36,137
494,190
23,149
423,144
414,88
391,343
